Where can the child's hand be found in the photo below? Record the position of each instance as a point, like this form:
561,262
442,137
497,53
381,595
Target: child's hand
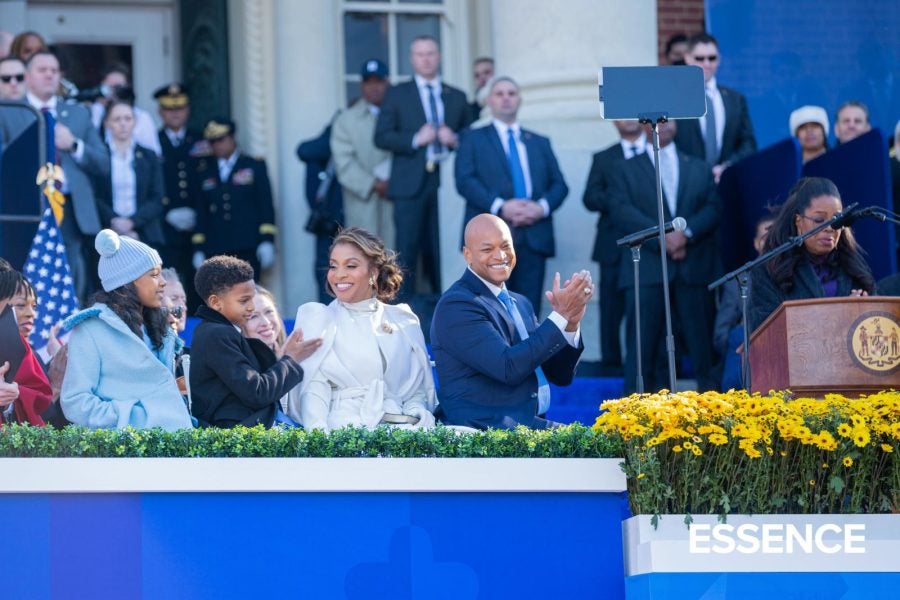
298,348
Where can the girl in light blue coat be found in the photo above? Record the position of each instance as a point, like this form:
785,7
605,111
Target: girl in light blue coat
122,351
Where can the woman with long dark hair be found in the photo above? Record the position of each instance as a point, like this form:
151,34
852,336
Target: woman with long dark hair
122,350
828,264
372,367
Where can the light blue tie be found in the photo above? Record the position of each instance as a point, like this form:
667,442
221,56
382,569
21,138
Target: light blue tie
515,166
516,316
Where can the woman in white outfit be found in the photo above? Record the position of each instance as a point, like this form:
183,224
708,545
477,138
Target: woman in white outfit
372,367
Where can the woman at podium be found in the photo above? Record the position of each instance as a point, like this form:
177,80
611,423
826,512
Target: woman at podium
828,264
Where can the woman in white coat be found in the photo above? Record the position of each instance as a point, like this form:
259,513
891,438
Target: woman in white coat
372,367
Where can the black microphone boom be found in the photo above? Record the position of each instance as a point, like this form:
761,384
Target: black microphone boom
639,237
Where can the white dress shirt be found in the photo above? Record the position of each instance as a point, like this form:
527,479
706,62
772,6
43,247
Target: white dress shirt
226,165
712,90
422,84
633,148
669,174
124,186
503,131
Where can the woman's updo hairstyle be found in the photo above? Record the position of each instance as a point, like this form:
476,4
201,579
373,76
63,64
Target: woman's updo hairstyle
389,275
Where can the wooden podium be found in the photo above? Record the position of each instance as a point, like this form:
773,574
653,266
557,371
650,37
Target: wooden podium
844,345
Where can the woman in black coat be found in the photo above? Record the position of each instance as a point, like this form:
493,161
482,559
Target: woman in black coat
828,264
130,199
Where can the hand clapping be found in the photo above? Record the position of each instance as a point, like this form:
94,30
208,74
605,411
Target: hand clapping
570,300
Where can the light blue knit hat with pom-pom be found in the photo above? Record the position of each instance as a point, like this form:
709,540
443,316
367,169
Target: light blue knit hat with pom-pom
122,259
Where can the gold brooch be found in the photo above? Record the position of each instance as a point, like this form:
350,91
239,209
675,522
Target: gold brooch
387,327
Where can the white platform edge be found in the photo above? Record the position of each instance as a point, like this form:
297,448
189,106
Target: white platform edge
126,475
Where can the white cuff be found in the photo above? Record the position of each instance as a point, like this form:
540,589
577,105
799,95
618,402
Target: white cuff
496,206
79,152
572,337
546,206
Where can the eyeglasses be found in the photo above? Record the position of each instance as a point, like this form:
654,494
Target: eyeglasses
711,58
818,221
7,78
175,311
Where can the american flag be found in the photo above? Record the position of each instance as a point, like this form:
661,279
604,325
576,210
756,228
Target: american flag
48,270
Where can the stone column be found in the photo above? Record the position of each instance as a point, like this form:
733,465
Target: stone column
554,51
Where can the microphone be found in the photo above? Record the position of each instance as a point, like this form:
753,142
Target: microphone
638,238
853,215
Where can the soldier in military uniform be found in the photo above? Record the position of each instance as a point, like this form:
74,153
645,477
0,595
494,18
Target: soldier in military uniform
235,214
184,153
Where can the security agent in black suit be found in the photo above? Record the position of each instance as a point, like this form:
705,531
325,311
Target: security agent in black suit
418,123
235,214
597,199
689,192
727,114
184,153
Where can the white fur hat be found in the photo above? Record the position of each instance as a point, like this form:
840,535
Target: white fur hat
808,114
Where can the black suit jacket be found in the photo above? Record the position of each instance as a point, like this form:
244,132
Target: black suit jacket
238,214
486,370
148,197
766,296
483,175
597,199
400,118
634,207
180,167
236,380
738,140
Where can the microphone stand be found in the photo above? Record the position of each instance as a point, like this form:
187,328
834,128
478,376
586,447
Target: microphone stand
653,119
742,274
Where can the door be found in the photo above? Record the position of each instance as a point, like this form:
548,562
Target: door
89,36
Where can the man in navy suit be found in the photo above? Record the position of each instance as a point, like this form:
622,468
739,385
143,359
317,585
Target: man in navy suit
725,135
418,123
75,145
494,360
511,172
693,261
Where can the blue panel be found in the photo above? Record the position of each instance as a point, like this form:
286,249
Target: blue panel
264,545
24,546
752,586
95,546
786,54
530,545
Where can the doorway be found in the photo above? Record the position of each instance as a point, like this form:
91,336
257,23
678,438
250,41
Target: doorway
88,37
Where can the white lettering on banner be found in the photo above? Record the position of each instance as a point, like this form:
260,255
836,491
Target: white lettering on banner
776,538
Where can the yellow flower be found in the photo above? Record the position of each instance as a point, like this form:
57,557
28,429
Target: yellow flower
687,445
844,430
887,447
812,482
697,451
641,475
718,439
861,437
676,448
848,462
824,465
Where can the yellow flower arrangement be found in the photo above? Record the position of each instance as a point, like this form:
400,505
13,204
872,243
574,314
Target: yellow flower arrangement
736,452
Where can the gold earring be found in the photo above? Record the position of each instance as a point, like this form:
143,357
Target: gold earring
372,281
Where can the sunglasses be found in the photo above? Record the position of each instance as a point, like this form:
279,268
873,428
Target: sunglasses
711,58
7,78
175,311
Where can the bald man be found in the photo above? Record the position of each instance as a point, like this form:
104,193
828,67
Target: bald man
494,360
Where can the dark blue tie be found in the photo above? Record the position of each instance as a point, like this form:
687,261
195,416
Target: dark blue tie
432,105
50,122
515,166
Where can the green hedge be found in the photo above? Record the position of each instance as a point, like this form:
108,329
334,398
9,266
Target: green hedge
572,441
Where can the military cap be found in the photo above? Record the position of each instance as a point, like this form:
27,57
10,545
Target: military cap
218,128
172,95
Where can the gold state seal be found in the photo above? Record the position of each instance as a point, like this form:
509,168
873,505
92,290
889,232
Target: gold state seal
874,342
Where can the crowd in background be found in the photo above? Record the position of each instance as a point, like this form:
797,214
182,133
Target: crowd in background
160,222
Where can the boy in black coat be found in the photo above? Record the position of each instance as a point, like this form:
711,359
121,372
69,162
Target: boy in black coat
237,380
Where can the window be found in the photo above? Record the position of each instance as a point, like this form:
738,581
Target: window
384,29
